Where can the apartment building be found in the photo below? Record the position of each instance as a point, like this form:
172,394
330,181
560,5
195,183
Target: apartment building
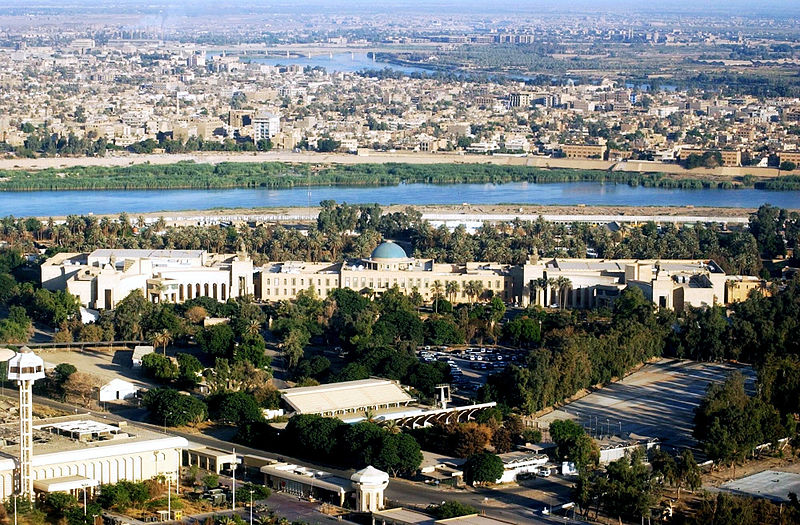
583,151
730,158
265,125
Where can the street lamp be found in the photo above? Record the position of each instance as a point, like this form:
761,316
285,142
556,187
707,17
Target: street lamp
233,472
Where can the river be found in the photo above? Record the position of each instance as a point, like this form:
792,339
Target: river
345,62
59,203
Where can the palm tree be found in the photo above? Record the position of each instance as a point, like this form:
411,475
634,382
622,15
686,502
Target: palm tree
564,285
437,293
473,289
390,425
253,327
162,338
551,283
541,284
477,289
452,288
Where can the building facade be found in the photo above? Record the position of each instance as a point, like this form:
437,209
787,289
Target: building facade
102,278
73,453
265,126
386,267
591,283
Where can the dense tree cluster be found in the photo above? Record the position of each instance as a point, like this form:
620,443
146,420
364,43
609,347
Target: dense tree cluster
724,508
333,442
173,408
489,430
627,489
378,337
355,230
482,468
578,350
451,509
730,424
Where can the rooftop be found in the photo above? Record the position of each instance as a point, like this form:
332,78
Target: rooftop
147,254
77,437
345,396
388,250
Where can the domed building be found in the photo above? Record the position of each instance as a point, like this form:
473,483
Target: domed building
388,265
388,256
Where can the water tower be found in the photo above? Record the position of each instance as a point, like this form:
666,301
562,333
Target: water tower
25,368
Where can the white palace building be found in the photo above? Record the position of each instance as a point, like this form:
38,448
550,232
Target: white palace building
104,277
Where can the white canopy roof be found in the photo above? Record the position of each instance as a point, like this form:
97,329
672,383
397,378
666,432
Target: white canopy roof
348,395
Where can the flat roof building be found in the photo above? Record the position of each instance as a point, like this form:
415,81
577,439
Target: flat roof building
349,397
102,278
75,452
387,266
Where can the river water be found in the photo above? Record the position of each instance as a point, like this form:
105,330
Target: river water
345,62
56,203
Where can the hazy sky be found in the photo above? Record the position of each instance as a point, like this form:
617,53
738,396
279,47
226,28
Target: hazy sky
699,7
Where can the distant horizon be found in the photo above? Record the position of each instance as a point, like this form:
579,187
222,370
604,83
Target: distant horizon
774,8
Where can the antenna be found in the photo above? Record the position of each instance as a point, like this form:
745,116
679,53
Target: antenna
25,368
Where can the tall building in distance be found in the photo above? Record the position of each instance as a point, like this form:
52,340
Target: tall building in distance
265,125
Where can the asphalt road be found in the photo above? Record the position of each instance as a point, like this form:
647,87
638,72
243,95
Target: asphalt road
513,503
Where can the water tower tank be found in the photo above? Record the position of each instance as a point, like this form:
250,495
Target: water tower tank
25,366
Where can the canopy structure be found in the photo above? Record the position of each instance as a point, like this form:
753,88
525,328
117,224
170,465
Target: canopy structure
346,397
65,484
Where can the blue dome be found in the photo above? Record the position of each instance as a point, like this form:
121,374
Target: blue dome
388,250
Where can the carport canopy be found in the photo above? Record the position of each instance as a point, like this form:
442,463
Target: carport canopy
65,484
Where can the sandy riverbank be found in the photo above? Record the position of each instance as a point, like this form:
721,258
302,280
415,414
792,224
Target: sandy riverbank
118,160
301,214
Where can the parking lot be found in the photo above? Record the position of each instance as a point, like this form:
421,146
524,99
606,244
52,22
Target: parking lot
470,366
656,401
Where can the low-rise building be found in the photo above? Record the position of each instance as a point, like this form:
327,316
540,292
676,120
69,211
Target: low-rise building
583,151
516,463
386,267
104,277
589,283
73,453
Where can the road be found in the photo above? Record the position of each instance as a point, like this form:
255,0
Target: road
516,504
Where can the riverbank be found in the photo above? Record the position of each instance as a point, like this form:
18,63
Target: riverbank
119,159
469,212
286,175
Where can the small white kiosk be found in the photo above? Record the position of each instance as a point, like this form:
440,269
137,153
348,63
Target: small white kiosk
369,484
